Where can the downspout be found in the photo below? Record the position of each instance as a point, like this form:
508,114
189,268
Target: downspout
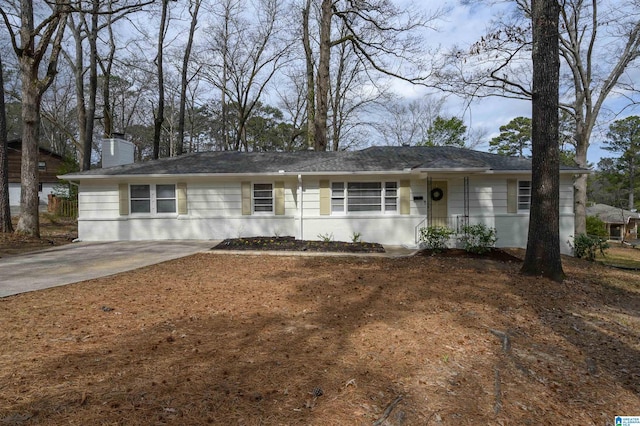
77,240
300,210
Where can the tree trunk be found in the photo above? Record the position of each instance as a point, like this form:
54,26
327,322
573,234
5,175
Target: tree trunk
322,87
632,184
223,85
308,53
184,80
159,117
543,246
580,183
107,111
5,211
29,222
78,74
93,86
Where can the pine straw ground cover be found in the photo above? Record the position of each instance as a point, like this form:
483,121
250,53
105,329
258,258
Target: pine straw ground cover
263,340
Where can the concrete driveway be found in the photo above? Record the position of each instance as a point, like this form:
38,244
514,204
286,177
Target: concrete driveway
84,261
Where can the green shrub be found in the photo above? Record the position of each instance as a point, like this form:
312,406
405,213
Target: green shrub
478,238
435,237
596,226
587,246
356,237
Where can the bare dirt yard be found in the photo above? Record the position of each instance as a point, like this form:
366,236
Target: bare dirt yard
227,339
54,231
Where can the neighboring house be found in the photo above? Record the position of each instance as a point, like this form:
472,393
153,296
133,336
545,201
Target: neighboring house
621,224
385,194
49,164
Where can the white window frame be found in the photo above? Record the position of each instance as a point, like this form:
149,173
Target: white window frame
174,198
254,198
153,200
524,198
340,198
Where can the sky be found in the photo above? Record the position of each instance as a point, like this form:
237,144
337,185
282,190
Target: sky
463,24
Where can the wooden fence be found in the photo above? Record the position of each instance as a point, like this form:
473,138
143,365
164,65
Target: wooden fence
63,207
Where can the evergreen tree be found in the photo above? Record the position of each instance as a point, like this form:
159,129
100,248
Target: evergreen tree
514,138
446,132
623,138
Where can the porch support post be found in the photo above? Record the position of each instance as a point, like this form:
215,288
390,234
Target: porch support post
300,209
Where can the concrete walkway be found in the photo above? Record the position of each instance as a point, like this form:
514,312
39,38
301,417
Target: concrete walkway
83,261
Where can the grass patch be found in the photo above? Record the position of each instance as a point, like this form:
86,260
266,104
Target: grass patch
621,256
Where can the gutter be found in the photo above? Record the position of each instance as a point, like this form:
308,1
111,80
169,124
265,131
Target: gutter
300,206
226,175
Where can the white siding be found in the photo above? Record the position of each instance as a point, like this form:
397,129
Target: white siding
97,201
215,212
387,228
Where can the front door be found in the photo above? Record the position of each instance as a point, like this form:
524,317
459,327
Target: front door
438,195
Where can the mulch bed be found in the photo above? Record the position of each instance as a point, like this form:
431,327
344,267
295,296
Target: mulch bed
291,244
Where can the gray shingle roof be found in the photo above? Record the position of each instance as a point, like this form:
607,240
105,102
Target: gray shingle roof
373,159
610,214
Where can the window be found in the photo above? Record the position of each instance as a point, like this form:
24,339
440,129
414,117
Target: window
166,198
337,197
391,196
364,197
263,198
42,166
524,194
153,198
140,199
39,186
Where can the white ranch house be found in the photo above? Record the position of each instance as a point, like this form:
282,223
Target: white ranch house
383,193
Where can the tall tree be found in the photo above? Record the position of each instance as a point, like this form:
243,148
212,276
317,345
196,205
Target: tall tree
251,52
608,185
194,9
310,74
5,210
383,38
542,257
158,118
514,138
599,40
623,138
31,44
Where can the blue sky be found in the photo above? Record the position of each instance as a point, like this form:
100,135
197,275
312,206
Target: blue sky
463,24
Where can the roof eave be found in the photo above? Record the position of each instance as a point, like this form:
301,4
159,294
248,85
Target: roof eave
77,177
451,170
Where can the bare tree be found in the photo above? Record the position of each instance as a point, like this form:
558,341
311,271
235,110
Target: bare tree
407,122
310,74
347,100
31,44
5,211
383,38
543,245
251,54
596,47
194,8
294,102
59,127
88,19
159,112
